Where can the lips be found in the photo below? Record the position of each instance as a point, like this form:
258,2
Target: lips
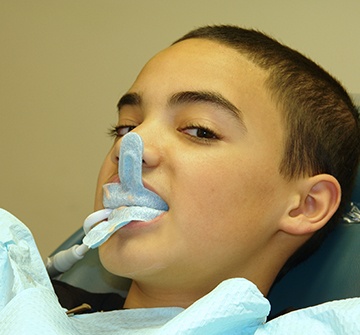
114,179
117,219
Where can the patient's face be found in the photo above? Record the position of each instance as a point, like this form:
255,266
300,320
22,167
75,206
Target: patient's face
212,155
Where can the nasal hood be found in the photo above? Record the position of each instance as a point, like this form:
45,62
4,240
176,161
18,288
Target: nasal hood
131,191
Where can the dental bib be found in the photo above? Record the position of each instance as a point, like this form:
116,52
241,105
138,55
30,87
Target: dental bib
128,200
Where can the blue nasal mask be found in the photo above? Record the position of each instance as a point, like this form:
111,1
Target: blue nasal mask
128,200
131,191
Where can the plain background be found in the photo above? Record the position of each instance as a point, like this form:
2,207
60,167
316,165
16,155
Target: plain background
65,63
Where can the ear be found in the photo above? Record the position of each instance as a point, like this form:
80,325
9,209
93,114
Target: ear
317,199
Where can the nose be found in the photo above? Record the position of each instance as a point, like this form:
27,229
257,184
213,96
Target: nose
151,154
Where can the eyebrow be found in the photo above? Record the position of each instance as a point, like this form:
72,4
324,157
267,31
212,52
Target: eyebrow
207,97
132,99
188,97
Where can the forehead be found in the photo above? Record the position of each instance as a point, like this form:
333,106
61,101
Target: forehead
204,65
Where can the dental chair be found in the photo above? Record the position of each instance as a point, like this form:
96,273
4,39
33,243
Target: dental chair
331,273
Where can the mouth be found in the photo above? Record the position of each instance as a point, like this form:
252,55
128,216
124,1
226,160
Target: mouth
134,216
141,225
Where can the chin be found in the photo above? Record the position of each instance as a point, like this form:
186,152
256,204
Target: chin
121,261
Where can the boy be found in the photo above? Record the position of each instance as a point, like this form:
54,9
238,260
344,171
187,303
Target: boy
253,147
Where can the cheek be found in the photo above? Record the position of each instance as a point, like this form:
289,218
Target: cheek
225,201
215,184
205,197
107,170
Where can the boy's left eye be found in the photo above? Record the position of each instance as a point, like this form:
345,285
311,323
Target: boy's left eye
201,133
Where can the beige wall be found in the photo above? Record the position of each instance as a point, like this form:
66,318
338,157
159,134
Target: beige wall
64,64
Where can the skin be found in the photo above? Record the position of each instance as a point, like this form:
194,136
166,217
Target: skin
231,214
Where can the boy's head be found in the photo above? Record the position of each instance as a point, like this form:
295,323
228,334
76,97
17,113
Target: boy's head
222,143
322,133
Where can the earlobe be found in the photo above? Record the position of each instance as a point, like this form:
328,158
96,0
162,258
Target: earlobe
316,202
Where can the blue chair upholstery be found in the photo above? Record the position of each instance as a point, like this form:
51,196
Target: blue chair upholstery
333,272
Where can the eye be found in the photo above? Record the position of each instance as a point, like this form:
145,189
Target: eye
201,133
120,131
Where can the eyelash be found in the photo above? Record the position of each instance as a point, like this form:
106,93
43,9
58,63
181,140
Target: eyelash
114,130
209,134
210,137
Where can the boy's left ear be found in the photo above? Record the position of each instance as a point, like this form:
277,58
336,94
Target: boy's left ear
317,199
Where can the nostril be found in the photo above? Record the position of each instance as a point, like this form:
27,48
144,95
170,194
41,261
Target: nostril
151,157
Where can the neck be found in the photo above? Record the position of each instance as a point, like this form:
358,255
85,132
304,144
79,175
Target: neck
141,296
